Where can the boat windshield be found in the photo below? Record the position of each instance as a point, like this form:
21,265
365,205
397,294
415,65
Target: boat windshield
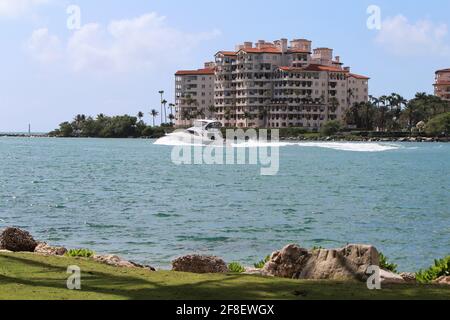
200,124
214,125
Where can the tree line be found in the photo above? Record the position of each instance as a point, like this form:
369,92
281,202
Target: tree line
103,126
394,113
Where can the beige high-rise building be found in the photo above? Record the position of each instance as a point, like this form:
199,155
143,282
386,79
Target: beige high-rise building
281,84
442,84
194,94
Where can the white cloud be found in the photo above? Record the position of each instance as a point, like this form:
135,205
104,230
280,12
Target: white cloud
44,47
423,38
14,8
143,42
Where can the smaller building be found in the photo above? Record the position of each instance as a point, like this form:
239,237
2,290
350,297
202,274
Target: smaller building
442,84
194,94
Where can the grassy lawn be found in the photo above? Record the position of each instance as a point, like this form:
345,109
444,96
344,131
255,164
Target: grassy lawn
28,276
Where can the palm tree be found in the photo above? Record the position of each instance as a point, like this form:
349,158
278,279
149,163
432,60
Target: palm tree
154,114
140,115
201,113
212,111
247,116
171,106
161,92
227,114
185,115
164,103
171,118
263,115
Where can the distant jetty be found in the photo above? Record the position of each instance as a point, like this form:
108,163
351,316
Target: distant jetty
24,135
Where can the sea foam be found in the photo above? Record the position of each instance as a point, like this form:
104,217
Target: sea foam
185,140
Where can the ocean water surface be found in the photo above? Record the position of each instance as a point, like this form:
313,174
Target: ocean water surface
126,197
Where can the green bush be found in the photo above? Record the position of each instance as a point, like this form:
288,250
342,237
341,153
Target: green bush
441,268
80,253
386,265
235,267
262,263
331,128
439,125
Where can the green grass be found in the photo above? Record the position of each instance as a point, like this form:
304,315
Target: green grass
28,276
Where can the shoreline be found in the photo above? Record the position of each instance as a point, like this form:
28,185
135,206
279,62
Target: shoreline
417,139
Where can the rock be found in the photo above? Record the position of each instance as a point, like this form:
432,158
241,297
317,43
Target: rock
44,249
288,262
349,263
445,280
409,277
388,277
16,240
200,264
116,261
255,272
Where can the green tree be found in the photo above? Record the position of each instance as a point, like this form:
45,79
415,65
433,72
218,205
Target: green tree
439,125
65,130
330,128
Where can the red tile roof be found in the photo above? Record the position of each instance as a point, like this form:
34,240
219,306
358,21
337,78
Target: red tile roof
262,50
227,53
442,71
207,71
357,76
318,67
314,67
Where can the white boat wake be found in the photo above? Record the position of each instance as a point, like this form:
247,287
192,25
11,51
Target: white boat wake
181,139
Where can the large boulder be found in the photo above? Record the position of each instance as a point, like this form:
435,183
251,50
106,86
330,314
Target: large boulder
16,240
349,263
288,262
47,250
116,261
199,264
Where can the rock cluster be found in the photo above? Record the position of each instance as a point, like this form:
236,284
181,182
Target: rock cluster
409,277
349,263
116,261
442,281
47,250
16,240
199,264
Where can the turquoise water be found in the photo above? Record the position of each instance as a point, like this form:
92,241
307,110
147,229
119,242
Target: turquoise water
126,197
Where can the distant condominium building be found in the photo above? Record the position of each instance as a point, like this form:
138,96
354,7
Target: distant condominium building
442,84
194,94
272,84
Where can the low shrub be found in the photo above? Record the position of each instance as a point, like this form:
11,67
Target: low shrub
235,267
441,268
386,265
80,253
262,263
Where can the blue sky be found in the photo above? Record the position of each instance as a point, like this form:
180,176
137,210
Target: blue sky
125,52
